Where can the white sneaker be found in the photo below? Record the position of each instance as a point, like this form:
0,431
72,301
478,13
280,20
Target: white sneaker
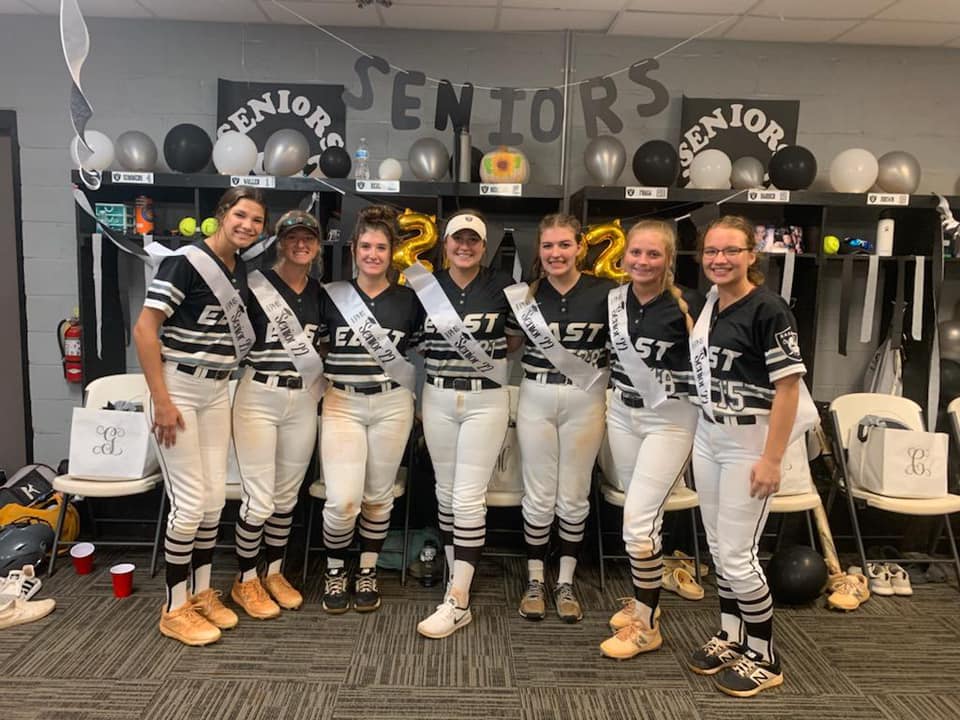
899,579
17,611
447,619
22,583
879,578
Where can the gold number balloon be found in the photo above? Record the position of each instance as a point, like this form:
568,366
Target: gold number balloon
609,263
424,237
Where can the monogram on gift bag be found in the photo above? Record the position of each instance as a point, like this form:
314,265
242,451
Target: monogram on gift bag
110,445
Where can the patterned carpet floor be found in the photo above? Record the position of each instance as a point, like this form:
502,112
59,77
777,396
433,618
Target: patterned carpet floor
100,658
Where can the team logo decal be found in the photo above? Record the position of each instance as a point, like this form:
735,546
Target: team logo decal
789,343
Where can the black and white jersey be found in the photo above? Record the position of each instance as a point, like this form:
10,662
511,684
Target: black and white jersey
578,319
658,331
486,314
268,354
398,311
753,343
195,332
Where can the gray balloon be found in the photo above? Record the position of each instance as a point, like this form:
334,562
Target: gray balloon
950,340
899,172
136,152
429,159
604,159
747,173
285,153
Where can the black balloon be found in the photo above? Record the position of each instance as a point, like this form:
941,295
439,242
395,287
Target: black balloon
476,157
792,168
655,163
335,162
187,148
797,575
949,380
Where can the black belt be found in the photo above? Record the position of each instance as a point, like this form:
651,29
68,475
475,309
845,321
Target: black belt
731,419
202,372
630,401
447,383
548,378
292,383
367,389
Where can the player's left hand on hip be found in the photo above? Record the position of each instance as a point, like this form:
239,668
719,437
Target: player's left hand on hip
764,478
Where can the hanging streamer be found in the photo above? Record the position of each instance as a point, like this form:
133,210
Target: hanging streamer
97,242
916,322
76,44
869,299
786,283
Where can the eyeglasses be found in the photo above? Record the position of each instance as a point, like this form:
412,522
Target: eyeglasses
727,252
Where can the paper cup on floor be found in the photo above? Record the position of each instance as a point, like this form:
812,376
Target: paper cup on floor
82,556
122,576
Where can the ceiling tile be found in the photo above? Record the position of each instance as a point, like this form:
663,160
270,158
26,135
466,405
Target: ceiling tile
929,10
323,13
96,8
777,30
243,11
563,4
513,19
715,7
650,24
17,7
887,32
436,17
846,9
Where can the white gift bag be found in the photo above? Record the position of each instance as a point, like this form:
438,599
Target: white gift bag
795,477
898,463
110,445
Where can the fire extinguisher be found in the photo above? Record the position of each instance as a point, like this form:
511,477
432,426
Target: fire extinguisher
71,347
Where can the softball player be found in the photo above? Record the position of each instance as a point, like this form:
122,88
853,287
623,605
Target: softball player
465,401
650,423
747,369
560,415
275,413
190,336
368,411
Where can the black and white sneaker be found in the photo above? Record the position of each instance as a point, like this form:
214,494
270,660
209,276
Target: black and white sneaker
336,598
750,675
715,655
366,594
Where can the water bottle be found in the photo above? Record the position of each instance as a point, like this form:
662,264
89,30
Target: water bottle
361,165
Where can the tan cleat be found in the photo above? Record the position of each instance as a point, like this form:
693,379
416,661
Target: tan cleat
849,592
632,640
210,606
568,606
254,600
188,626
286,595
627,614
533,604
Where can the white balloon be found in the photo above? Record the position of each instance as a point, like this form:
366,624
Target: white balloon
710,170
234,153
390,169
102,147
854,171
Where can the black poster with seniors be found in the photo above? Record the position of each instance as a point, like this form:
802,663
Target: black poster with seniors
738,127
260,109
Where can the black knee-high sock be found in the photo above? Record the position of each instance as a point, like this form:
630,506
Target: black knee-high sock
276,533
647,574
731,622
177,549
248,538
202,558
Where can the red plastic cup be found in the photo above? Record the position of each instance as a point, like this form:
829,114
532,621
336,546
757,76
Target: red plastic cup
122,576
82,556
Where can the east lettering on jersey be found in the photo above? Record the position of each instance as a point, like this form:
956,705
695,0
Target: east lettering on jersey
268,354
396,309
753,343
577,318
658,332
485,313
195,331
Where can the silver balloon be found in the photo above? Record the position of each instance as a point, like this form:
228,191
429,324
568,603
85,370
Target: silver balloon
285,153
950,340
899,172
136,152
604,158
747,173
429,159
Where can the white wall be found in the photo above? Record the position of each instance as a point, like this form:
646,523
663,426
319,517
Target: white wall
153,75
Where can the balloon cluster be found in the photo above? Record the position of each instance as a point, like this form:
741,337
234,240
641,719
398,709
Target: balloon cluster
422,237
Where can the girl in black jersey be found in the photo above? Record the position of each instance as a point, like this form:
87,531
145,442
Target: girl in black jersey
560,414
465,401
275,413
368,410
188,346
748,384
650,424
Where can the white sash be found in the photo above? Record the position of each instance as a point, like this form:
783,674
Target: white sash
371,334
640,374
294,340
450,326
525,308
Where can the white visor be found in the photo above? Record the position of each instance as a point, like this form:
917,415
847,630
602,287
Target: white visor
466,222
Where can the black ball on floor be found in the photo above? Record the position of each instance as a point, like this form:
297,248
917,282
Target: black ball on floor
796,575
